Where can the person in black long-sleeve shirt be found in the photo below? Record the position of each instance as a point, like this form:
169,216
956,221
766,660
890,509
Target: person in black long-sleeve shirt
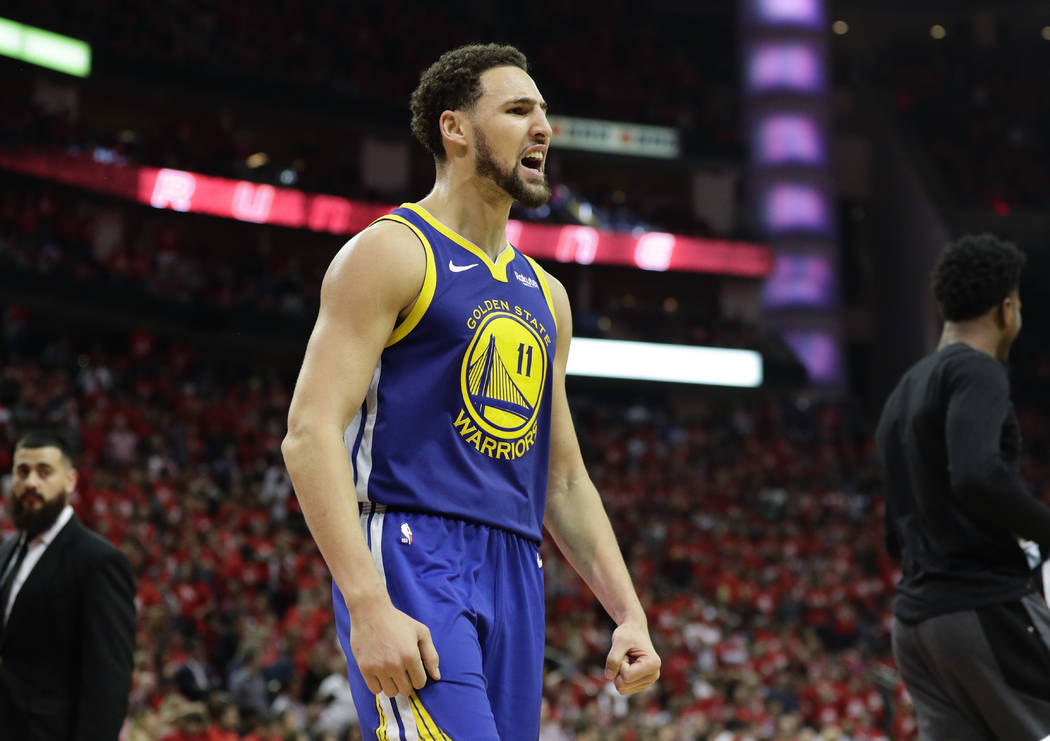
970,635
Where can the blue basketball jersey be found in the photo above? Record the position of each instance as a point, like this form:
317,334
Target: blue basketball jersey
456,421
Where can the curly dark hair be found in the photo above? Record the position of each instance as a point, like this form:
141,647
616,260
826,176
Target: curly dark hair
975,274
454,82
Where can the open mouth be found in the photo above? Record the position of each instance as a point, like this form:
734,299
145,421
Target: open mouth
533,162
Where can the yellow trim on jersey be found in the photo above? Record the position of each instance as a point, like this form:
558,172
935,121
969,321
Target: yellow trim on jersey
498,268
426,293
542,277
424,722
381,734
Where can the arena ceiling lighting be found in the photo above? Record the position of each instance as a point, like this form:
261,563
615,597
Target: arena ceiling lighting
44,48
648,361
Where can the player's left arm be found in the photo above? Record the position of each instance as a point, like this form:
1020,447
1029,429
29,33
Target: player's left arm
576,519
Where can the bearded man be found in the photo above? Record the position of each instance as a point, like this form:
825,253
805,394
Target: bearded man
67,609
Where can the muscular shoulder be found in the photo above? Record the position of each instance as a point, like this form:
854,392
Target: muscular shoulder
385,247
386,257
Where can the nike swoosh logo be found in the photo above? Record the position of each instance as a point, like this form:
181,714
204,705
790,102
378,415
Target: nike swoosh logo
460,268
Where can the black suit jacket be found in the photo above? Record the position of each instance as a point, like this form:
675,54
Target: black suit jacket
66,650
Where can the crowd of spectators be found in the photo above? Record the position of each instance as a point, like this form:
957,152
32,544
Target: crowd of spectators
227,274
751,526
109,248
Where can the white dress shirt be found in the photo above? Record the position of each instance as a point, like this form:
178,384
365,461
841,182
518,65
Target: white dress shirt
36,549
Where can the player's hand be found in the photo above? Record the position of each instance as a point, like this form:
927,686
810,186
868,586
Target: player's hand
632,664
393,651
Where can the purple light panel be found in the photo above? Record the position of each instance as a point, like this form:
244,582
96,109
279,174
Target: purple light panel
818,351
784,67
795,207
806,13
800,280
789,138
786,86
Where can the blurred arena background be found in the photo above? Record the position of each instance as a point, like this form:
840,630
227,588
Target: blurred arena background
773,176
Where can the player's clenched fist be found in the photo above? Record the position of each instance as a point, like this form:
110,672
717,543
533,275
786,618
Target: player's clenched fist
393,651
632,664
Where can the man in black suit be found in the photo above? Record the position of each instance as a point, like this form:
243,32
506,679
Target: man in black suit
67,609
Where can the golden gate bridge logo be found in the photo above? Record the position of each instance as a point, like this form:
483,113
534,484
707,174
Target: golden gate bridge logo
503,375
491,385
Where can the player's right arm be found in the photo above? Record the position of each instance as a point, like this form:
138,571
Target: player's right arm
371,282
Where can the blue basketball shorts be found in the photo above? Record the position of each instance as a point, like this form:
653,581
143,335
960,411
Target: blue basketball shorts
480,592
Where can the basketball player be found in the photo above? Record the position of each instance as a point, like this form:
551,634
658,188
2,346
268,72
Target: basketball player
971,638
437,366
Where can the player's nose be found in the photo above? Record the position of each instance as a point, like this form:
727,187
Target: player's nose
541,127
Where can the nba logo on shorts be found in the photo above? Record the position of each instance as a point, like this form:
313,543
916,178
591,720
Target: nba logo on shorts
406,533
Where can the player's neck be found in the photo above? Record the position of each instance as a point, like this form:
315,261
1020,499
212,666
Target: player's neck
473,208
975,334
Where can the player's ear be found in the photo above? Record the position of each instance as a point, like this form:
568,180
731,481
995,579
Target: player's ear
1006,310
1000,313
1011,307
454,125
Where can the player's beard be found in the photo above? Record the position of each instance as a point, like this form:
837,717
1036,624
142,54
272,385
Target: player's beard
36,520
531,196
